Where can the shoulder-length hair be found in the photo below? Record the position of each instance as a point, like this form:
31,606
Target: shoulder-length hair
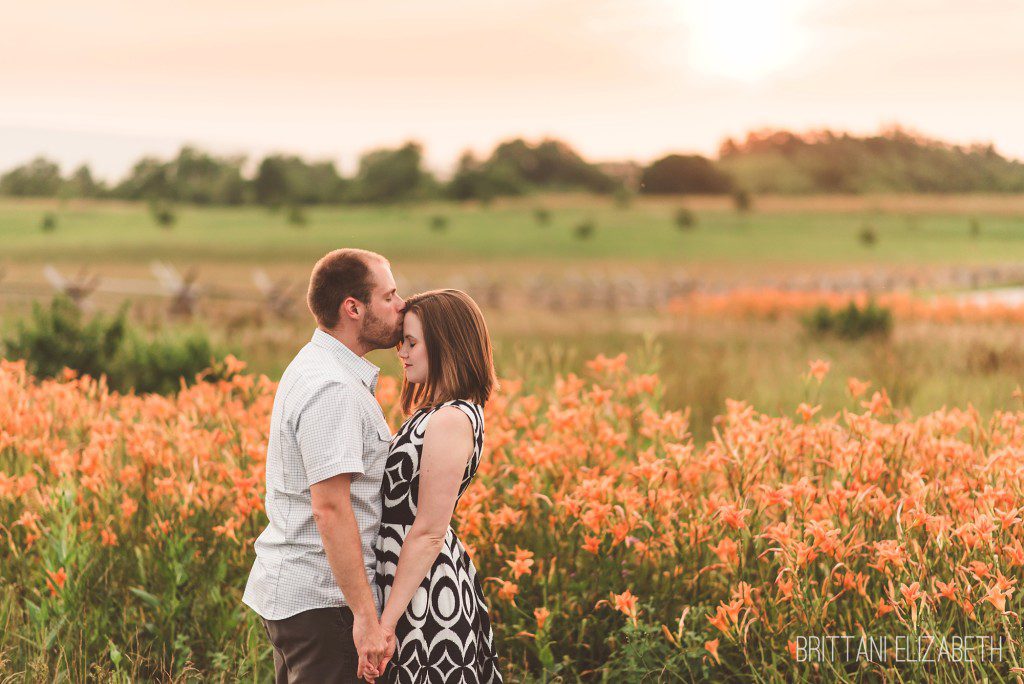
459,356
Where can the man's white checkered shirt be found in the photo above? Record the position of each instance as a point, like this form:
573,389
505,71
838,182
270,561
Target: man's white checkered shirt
325,422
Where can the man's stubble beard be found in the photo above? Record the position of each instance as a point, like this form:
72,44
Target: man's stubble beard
376,334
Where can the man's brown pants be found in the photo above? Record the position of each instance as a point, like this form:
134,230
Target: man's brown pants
314,646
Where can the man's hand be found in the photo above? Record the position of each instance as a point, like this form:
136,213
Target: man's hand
336,522
368,671
372,646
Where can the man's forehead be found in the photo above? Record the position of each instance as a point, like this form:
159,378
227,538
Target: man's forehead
383,280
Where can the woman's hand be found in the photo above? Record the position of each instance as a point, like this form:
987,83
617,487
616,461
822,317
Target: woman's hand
447,447
372,645
370,673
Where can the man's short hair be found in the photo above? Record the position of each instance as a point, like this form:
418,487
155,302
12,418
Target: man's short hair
339,275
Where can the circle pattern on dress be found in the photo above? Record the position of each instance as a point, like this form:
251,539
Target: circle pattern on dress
445,634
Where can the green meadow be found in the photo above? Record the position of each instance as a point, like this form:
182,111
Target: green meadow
702,362
811,231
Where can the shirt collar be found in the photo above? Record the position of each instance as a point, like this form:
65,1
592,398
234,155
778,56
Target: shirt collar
357,365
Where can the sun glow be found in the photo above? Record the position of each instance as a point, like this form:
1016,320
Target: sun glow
745,40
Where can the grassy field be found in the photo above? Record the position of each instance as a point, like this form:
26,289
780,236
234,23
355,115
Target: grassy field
685,583
808,232
925,366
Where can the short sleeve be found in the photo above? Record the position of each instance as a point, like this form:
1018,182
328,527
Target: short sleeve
329,431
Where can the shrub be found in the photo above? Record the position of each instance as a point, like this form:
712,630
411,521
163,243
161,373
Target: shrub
542,216
867,236
296,216
623,197
49,222
850,322
585,230
685,219
438,223
742,201
162,213
160,365
58,336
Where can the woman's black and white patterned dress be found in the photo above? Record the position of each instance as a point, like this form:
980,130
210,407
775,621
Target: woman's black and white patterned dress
445,634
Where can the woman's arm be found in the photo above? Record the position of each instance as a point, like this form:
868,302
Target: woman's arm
447,446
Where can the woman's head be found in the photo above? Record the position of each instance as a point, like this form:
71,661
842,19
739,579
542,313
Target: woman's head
445,350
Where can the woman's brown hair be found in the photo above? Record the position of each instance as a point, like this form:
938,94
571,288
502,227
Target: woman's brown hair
459,357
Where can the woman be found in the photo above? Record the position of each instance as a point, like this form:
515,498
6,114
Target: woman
432,597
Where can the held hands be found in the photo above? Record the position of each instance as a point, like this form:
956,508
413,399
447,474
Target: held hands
375,645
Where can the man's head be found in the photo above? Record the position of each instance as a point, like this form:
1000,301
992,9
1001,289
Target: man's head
352,292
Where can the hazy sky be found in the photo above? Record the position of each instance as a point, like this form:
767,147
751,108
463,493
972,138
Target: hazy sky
107,81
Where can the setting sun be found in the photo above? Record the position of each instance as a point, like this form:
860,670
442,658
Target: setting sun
744,40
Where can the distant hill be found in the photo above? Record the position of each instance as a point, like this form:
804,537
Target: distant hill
895,160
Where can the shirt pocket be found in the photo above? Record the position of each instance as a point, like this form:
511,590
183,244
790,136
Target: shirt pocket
384,432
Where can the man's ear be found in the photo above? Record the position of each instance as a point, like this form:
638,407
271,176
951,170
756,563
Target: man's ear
351,307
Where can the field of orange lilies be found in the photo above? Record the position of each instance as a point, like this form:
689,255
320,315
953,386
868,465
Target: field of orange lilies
613,548
769,303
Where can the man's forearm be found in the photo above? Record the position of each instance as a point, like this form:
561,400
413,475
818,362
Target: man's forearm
344,550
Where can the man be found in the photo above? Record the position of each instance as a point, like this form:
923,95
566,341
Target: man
312,579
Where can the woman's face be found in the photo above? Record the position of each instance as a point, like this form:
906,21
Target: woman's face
413,352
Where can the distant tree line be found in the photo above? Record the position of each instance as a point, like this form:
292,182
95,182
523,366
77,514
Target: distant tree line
384,175
895,160
767,161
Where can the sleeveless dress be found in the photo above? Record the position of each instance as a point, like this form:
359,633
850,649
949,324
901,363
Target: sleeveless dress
445,634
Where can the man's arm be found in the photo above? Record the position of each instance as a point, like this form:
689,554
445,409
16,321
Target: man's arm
447,446
332,511
330,439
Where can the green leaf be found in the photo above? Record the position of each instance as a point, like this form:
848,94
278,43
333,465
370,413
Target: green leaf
52,636
115,654
153,601
547,659
33,610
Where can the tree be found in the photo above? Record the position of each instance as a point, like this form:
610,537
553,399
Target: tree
38,178
392,175
551,164
283,179
82,184
516,167
684,174
892,160
149,179
474,179
204,179
271,182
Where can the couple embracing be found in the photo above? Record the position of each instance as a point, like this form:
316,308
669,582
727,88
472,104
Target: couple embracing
359,574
